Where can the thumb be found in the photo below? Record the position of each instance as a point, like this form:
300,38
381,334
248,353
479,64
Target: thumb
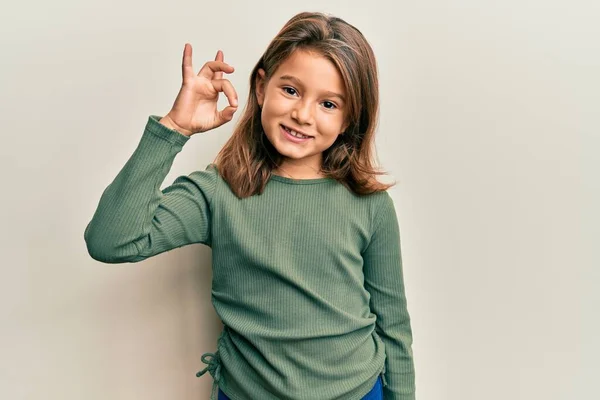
226,114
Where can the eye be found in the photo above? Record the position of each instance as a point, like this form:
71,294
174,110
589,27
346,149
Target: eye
286,88
334,106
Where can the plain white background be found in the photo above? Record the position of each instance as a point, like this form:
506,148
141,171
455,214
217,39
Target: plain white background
489,124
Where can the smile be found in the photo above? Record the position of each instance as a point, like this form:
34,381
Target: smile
289,134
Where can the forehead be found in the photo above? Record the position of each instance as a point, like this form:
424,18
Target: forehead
312,70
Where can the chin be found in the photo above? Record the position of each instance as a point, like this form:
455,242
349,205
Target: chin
286,152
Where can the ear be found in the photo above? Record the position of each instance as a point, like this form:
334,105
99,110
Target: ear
260,86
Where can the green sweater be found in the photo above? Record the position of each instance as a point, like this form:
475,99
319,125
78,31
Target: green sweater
307,276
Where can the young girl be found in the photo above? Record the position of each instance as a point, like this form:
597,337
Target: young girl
307,269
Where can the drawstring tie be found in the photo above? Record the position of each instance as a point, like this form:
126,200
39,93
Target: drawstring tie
213,362
383,375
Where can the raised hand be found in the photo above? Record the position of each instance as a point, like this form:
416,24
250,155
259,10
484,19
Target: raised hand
195,108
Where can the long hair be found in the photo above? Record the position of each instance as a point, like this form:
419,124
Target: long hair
246,160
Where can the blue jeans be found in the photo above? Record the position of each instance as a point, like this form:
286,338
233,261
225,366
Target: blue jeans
375,394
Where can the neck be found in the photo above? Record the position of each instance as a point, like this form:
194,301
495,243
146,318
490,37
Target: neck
310,173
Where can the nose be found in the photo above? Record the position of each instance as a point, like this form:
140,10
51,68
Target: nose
302,112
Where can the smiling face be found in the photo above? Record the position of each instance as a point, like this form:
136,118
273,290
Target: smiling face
301,95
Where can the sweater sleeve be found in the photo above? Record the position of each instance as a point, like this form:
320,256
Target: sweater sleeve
135,220
385,283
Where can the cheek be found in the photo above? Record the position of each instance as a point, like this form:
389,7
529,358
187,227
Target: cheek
332,125
276,105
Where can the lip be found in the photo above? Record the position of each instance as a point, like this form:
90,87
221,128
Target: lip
297,130
292,138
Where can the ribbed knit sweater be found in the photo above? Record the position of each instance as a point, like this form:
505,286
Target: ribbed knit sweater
307,276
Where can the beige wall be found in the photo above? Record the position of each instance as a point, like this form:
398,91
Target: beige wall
489,123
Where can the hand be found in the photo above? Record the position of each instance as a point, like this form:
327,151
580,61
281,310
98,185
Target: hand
195,108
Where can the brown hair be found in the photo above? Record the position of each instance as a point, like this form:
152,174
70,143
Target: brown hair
246,160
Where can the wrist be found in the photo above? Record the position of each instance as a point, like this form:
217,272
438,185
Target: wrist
168,122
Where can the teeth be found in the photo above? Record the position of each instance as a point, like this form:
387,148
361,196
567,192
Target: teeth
296,134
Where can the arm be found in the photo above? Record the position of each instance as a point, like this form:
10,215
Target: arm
134,219
384,281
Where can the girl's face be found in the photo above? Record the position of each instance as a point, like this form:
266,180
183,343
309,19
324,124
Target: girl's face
306,93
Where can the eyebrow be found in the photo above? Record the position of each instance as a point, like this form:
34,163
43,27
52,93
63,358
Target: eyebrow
299,82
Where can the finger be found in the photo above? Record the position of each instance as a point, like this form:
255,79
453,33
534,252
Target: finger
225,86
209,69
226,114
219,57
187,71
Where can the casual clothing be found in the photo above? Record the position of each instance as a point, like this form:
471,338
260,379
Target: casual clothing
375,394
307,276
